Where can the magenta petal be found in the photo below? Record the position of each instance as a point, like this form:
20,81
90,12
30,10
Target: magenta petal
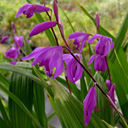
77,35
112,45
79,72
108,83
70,68
4,39
89,104
107,48
96,36
111,93
91,59
24,7
56,62
83,42
12,53
13,62
100,64
42,27
55,9
40,8
33,54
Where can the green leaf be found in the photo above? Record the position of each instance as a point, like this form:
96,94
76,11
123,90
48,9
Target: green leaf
28,49
119,73
120,37
39,104
88,79
21,71
83,86
21,105
101,29
3,124
4,81
126,125
22,87
68,19
92,64
70,110
73,87
108,125
4,114
48,32
50,117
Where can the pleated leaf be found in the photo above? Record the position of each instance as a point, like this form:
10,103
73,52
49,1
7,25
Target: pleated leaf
39,104
119,72
4,114
22,87
21,71
21,105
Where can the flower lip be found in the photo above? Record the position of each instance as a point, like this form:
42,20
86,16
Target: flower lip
74,69
80,37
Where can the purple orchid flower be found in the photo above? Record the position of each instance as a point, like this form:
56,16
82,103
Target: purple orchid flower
13,62
108,83
49,57
103,46
111,93
89,104
74,69
41,27
4,39
99,63
18,41
12,53
29,10
79,37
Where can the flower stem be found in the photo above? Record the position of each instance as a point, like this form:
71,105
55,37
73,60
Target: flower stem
53,30
108,71
68,84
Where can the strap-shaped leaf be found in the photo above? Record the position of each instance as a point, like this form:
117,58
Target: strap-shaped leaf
21,105
22,87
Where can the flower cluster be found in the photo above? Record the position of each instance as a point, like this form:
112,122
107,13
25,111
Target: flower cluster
102,49
53,59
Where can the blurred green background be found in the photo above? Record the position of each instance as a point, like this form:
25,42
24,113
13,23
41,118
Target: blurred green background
111,14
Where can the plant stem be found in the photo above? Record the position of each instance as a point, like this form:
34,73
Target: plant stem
53,30
68,84
108,71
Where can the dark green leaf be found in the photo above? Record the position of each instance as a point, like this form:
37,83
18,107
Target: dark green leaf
4,114
22,87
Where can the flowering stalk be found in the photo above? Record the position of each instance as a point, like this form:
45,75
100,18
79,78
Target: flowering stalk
108,98
108,71
68,84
